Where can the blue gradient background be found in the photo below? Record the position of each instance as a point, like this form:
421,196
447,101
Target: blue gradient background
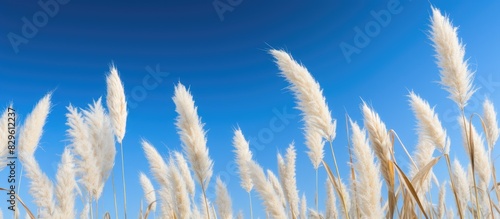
232,77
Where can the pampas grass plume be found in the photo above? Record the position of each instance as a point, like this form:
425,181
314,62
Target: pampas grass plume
223,200
243,156
192,135
117,103
455,75
149,191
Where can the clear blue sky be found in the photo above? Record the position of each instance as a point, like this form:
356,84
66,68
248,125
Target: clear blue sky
232,77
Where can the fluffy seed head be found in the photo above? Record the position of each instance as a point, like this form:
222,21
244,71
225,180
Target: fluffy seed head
368,182
32,130
149,191
455,74
117,103
223,200
192,135
243,156
491,123
428,123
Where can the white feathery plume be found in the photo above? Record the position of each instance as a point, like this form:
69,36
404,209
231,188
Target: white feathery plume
196,212
186,174
310,100
368,182
223,200
286,172
462,186
87,165
308,94
180,193
441,201
240,215
481,160
422,156
490,123
243,156
4,141
117,103
149,191
315,143
450,214
85,211
273,179
379,138
102,141
32,130
428,123
303,207
41,187
331,208
192,135
454,69
266,191
314,214
347,198
160,171
66,185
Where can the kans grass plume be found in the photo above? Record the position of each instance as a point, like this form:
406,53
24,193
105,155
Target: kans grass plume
428,123
463,190
116,103
180,193
380,141
223,200
266,191
368,182
160,171
192,135
454,69
273,179
149,191
490,123
286,170
310,101
117,106
101,139
86,162
66,185
330,204
243,157
41,187
184,171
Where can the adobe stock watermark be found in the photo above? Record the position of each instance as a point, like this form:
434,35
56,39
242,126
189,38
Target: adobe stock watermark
31,26
223,6
488,85
364,35
258,142
150,81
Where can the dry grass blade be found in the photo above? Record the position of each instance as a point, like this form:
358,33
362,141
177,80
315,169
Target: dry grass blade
410,188
149,209
28,211
424,171
337,188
